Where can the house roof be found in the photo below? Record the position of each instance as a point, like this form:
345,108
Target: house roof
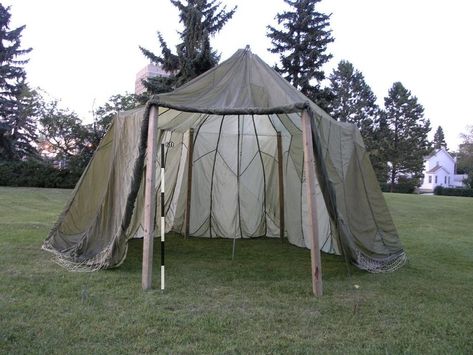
437,168
435,152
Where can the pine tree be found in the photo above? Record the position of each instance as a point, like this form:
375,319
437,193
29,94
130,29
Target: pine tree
201,19
16,127
353,100
407,142
379,148
439,139
301,42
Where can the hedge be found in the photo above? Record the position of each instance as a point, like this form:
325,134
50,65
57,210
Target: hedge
404,188
445,191
32,173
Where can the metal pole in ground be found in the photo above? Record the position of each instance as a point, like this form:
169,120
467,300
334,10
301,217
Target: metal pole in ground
233,249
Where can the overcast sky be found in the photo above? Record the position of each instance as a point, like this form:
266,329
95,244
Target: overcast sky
85,51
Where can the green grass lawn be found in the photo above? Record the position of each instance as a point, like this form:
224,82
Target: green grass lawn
259,303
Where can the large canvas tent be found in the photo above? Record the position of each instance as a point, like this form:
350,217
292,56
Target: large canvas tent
232,181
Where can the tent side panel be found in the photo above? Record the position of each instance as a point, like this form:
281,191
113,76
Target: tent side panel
354,200
81,239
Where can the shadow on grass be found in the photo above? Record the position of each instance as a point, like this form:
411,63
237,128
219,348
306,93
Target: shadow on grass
257,259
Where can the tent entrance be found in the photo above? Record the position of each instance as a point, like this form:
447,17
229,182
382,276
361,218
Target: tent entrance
232,177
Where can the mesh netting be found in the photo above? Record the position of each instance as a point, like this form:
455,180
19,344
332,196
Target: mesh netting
99,261
389,264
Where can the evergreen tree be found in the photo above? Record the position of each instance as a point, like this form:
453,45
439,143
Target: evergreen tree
301,42
201,19
353,100
439,139
406,143
24,123
16,128
379,148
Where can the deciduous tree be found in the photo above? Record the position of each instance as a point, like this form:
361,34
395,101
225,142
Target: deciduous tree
465,155
63,130
104,115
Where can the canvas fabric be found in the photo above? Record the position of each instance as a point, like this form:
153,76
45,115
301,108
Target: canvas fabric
236,111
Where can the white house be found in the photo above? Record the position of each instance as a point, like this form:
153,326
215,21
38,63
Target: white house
439,170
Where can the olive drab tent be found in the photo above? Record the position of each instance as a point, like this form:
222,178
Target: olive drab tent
233,180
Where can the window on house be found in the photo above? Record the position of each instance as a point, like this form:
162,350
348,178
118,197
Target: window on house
430,179
435,178
445,182
449,180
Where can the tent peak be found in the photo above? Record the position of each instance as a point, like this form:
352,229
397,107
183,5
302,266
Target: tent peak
242,84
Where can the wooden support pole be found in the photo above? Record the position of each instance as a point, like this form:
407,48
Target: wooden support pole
309,168
149,207
281,187
190,154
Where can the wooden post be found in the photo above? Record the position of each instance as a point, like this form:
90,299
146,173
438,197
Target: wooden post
149,207
281,187
309,168
190,154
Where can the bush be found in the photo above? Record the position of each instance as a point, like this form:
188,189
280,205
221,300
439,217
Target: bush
439,190
33,173
403,187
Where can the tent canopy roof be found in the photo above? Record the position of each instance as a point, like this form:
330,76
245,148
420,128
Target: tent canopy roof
243,84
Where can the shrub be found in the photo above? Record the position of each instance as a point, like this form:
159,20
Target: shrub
439,190
33,173
404,186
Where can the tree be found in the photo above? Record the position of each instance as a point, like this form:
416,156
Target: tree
353,100
465,156
64,132
16,131
439,139
201,19
301,41
406,143
379,148
104,115
24,123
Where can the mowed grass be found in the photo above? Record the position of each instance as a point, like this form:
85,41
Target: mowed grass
261,302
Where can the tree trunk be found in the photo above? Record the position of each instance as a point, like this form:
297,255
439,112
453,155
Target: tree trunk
393,177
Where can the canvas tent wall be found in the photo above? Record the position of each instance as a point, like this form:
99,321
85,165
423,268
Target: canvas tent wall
235,111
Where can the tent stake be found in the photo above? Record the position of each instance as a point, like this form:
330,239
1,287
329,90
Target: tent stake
309,168
281,187
190,154
149,208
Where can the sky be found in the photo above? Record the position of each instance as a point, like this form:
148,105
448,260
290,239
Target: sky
85,51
